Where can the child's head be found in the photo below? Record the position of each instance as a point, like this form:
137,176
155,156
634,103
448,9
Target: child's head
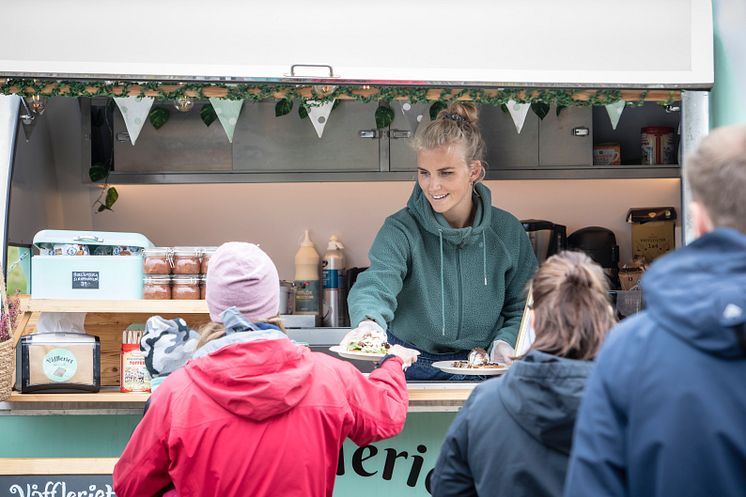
571,308
242,275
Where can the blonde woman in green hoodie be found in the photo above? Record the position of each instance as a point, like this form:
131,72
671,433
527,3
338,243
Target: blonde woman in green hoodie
448,273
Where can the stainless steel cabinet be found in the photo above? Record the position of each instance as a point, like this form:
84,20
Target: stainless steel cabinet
265,143
567,139
267,148
183,144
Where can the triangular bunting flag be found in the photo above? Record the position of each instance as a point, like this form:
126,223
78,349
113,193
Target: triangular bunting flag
615,112
518,113
135,112
414,114
319,114
228,112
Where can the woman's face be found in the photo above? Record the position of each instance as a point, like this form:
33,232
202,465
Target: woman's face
446,179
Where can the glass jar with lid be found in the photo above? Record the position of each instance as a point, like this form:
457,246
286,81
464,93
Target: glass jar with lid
185,287
157,287
206,254
156,260
186,260
203,287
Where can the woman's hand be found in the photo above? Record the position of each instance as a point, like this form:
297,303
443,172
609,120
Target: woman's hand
366,327
502,352
408,356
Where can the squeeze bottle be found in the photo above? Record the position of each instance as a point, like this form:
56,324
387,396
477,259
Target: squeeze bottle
307,284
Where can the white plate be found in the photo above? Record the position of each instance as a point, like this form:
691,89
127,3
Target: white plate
360,356
448,367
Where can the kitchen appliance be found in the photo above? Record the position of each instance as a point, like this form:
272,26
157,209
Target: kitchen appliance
600,245
546,237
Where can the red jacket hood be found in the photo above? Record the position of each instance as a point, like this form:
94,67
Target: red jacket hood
256,379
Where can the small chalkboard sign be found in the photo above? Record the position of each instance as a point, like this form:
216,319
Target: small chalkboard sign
56,486
87,280
57,477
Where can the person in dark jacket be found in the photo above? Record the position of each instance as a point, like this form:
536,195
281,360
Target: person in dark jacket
665,409
514,433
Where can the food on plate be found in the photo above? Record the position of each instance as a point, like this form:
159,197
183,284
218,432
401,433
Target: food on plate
478,356
487,365
368,342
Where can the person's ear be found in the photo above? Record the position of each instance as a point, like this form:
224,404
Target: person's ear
475,171
701,219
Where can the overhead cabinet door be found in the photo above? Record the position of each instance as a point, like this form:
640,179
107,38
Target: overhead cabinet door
567,139
265,143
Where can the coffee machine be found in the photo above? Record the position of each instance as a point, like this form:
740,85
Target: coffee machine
546,237
600,245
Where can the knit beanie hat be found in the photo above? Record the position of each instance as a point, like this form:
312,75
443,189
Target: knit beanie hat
242,275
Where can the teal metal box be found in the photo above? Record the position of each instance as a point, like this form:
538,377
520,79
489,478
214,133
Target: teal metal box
87,265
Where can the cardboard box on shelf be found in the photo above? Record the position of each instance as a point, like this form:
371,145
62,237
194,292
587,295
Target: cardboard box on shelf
653,231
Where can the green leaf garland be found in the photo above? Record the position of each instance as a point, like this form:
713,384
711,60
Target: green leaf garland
158,117
384,116
207,114
97,172
541,109
283,107
435,108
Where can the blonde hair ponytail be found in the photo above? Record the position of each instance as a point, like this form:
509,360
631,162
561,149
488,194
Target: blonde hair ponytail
572,311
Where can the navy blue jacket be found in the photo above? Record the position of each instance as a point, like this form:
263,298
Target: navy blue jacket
514,433
665,409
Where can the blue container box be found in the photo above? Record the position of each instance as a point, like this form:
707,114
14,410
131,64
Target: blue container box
88,265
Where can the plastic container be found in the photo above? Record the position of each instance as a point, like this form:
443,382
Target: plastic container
186,260
307,284
156,260
157,287
185,287
332,268
205,260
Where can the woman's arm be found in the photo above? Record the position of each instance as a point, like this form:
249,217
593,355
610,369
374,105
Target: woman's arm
374,294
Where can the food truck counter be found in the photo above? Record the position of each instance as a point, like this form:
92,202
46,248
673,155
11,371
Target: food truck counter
106,318
423,397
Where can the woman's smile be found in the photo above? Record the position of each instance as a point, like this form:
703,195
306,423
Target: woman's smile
446,179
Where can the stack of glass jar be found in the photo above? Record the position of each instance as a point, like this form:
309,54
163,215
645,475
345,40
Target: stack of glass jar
177,273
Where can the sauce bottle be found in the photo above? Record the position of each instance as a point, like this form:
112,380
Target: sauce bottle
307,284
332,268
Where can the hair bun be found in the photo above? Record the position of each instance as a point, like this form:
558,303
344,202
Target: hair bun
461,112
578,277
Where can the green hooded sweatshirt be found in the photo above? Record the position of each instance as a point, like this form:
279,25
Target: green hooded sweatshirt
441,288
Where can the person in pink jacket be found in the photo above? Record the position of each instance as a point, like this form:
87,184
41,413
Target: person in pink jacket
252,413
